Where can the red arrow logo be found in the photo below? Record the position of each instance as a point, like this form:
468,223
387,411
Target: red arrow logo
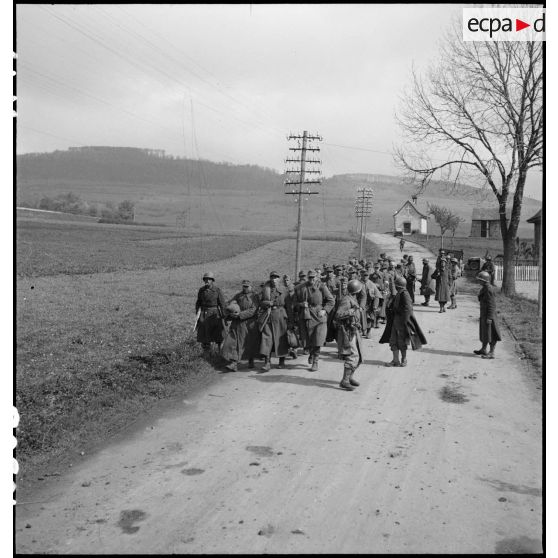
519,25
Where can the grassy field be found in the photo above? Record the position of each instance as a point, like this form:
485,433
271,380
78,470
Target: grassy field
95,351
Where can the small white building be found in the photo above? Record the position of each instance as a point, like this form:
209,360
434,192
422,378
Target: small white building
409,220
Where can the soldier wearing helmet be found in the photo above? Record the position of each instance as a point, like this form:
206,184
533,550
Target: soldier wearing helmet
402,328
274,321
210,304
489,332
313,303
348,325
243,338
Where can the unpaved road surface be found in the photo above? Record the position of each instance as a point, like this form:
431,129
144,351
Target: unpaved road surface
443,456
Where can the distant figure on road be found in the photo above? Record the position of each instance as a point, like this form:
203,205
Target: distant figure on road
273,322
402,328
209,308
401,244
348,324
488,266
442,284
489,333
454,274
427,283
243,338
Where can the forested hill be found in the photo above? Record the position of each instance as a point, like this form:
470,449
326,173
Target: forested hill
166,189
141,166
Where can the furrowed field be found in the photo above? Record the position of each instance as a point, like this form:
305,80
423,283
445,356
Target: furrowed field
104,317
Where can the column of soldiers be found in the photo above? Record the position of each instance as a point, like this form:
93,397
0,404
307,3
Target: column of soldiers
341,303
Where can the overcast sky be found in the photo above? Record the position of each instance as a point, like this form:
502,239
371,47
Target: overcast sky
222,82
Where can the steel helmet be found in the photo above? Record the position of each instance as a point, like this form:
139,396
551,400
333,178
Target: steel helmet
354,286
233,308
400,282
209,275
484,276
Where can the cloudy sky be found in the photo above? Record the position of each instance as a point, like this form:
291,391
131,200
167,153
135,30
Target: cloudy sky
222,82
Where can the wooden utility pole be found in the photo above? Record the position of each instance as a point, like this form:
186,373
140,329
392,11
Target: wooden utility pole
299,188
363,210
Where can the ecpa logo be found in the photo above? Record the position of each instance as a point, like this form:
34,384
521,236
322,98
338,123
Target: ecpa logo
503,24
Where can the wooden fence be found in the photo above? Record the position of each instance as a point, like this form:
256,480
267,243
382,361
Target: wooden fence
522,272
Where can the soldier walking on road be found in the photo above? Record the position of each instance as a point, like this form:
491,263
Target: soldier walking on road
402,327
489,332
442,284
372,302
411,277
243,338
209,308
453,275
290,306
401,244
427,283
273,322
348,325
313,302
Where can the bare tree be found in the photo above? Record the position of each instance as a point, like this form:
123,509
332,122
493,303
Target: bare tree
481,106
446,219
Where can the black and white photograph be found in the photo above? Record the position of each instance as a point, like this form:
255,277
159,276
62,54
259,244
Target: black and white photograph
236,228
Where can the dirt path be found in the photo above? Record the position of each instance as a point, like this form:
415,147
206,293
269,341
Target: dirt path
443,456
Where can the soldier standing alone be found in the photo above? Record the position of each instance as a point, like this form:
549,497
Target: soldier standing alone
489,333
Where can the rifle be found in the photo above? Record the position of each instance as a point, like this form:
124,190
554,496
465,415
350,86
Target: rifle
198,314
266,319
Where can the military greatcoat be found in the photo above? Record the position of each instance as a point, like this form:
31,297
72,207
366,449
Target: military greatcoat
487,299
211,302
274,332
442,285
313,326
402,327
427,284
243,338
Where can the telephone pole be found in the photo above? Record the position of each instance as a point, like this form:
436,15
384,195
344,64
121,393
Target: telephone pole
363,210
300,188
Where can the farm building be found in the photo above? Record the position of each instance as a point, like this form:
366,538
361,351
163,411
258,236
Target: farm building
409,219
486,222
536,220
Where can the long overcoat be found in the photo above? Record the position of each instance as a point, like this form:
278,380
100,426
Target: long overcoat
427,284
211,302
333,285
400,317
442,285
347,323
313,327
274,332
452,277
243,338
487,299
372,302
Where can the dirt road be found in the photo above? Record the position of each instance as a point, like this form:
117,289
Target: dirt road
443,456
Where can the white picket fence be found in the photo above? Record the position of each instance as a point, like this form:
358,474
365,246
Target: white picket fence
522,272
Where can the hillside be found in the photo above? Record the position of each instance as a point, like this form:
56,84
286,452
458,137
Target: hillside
216,197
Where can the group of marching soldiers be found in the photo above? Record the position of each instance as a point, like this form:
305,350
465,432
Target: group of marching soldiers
339,303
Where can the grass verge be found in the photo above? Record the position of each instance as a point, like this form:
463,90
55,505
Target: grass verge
95,352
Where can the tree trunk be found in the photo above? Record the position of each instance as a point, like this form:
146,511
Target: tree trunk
442,241
508,280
